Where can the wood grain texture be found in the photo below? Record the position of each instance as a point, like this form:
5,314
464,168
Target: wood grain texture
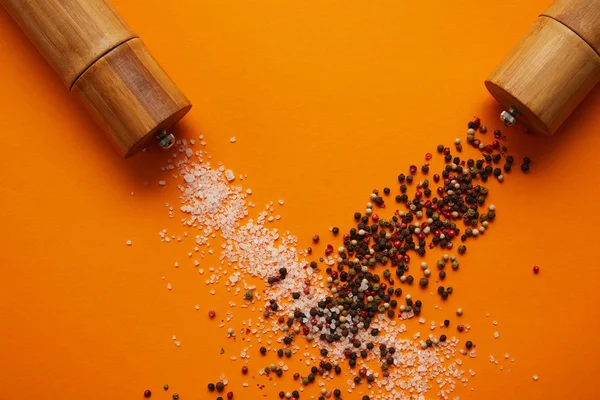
546,75
581,16
70,34
131,96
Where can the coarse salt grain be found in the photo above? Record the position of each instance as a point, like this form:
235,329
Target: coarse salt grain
128,243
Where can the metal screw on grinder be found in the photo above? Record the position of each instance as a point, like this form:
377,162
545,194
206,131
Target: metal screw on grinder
165,140
510,117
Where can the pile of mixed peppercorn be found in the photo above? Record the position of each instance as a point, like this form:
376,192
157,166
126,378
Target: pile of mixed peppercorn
367,273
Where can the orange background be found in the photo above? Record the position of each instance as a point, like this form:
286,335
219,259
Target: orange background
328,100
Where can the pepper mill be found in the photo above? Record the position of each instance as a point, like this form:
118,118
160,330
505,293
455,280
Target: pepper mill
99,57
552,69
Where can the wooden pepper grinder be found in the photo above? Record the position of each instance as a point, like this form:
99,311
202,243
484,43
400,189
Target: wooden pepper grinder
101,59
552,69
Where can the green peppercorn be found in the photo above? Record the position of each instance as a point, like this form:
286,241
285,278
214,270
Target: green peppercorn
455,264
175,396
166,387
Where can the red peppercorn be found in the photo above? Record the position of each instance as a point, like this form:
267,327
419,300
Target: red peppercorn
477,122
460,328
316,239
428,156
446,151
329,250
413,169
488,148
496,144
244,370
230,395
436,178
536,269
418,194
476,142
147,393
375,217
497,134
211,313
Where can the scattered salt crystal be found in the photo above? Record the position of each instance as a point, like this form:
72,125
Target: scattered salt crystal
128,243
174,337
162,183
496,335
232,139
189,152
229,175
535,377
177,344
169,286
197,307
249,191
280,202
189,178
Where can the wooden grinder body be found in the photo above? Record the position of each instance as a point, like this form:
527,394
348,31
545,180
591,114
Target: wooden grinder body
553,68
99,57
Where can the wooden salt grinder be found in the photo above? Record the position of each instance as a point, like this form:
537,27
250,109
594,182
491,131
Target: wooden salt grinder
101,59
552,69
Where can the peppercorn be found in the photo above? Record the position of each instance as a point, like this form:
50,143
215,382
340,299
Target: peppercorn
176,396
424,282
469,344
211,387
229,395
446,322
443,338
524,167
166,387
335,230
429,342
442,275
462,249
296,394
147,393
357,379
440,148
281,395
263,350
337,392
386,190
337,369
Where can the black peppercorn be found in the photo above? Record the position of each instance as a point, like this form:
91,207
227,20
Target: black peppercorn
263,350
335,230
220,386
443,338
469,344
211,387
524,167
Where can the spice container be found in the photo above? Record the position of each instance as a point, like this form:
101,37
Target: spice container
99,57
552,69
